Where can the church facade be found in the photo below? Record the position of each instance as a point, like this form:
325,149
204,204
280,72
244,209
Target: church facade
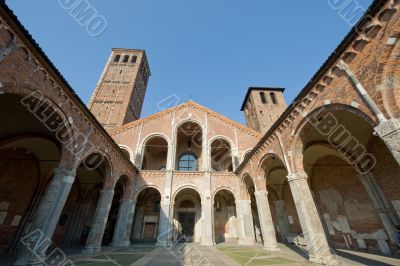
322,172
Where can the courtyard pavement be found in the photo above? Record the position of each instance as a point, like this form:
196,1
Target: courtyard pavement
232,255
224,254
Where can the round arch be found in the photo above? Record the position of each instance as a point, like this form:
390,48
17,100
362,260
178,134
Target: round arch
225,188
141,189
304,127
158,151
128,151
95,158
267,156
187,186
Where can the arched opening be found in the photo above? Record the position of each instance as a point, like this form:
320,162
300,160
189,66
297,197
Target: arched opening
225,218
349,188
79,210
121,191
273,98
155,154
187,216
29,153
253,215
189,147
283,209
147,214
117,58
126,59
221,156
125,152
262,97
134,59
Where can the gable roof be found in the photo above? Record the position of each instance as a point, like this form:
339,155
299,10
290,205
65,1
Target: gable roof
258,89
187,104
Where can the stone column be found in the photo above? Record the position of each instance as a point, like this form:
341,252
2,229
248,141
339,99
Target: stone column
164,227
389,132
283,222
93,243
164,224
266,223
380,203
247,236
75,225
207,207
313,232
207,211
37,241
123,226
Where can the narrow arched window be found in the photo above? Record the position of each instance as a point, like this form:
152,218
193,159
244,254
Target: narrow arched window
126,58
187,162
134,59
273,98
117,57
262,96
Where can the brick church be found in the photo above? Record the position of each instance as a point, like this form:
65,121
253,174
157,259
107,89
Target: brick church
321,173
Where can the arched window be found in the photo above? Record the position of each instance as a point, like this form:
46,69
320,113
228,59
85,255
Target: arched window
117,57
262,96
126,58
273,98
187,162
134,58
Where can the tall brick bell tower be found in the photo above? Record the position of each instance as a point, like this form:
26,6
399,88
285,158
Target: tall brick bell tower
262,106
119,94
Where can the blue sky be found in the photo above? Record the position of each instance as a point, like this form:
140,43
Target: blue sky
210,51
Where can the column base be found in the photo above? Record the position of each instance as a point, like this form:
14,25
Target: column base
120,244
247,242
163,243
207,242
269,248
28,261
328,260
92,250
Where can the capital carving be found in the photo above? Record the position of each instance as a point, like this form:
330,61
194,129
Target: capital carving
387,127
296,176
261,193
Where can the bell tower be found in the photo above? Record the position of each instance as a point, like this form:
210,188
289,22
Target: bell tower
120,92
262,106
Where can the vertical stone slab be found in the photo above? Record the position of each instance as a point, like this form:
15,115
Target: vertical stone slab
266,223
45,218
381,204
283,222
247,236
124,224
232,222
313,232
93,243
389,132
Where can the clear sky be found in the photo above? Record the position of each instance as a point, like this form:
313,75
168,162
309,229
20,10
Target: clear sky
209,51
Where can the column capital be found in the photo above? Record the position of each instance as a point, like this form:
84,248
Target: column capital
261,193
244,201
387,127
64,171
296,176
107,190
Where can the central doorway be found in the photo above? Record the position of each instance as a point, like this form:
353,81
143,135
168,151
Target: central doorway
187,216
187,221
